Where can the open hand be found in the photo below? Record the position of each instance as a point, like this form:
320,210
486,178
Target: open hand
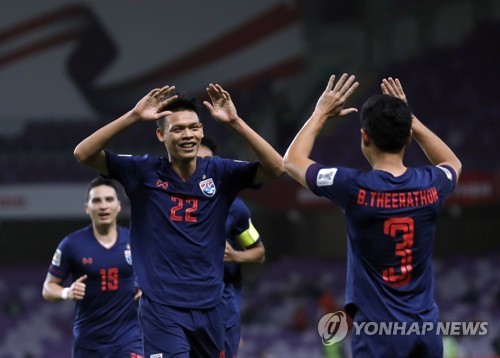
150,106
222,108
393,88
331,103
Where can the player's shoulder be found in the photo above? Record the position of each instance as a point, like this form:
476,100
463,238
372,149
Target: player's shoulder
81,232
441,171
144,159
76,237
123,232
325,175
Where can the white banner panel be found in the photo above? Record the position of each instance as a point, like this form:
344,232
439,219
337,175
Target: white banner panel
65,200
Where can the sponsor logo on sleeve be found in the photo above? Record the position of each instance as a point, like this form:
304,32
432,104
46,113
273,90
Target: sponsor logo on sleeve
325,176
56,259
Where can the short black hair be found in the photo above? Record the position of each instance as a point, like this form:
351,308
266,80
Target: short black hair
387,120
210,144
182,103
101,180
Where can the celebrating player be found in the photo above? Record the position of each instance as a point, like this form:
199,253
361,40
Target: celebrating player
99,260
390,212
179,207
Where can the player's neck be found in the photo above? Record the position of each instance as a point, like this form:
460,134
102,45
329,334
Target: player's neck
184,168
106,234
388,162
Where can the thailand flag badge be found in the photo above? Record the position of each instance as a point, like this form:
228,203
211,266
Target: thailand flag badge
208,187
128,255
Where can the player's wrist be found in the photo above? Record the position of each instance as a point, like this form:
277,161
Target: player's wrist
65,293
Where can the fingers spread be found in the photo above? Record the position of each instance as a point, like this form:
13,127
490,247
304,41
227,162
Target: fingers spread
330,83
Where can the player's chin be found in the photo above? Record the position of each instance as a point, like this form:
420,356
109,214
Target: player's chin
188,154
105,220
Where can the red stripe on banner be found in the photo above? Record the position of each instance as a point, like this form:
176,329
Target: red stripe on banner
44,20
39,46
35,24
260,27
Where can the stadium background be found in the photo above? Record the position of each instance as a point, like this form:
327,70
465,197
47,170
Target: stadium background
68,67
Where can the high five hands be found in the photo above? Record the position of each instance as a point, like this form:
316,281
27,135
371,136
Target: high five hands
332,101
222,107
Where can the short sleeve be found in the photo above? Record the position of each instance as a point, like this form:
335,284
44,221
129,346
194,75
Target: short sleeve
60,266
124,168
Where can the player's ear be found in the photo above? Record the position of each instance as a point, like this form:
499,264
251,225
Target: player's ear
365,137
408,140
86,206
159,134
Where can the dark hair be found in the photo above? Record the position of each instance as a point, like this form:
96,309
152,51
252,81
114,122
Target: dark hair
387,120
100,180
181,103
210,144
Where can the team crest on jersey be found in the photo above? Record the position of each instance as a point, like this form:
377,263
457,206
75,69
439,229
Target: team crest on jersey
128,256
208,187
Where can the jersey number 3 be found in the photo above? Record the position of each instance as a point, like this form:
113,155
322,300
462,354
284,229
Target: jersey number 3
405,227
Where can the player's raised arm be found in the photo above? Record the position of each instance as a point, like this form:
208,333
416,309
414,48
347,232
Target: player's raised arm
434,148
90,150
330,104
223,110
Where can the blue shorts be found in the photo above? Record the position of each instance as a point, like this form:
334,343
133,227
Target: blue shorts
132,350
428,345
180,332
232,297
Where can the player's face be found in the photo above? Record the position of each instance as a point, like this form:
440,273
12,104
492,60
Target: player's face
182,135
205,152
103,205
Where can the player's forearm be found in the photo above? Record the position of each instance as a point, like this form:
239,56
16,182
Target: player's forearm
270,159
434,148
296,159
52,291
255,255
91,147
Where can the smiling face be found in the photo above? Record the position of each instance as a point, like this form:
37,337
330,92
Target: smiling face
181,135
102,205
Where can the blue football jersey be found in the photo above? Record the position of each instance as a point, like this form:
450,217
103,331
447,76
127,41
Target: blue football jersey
178,226
107,316
391,224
